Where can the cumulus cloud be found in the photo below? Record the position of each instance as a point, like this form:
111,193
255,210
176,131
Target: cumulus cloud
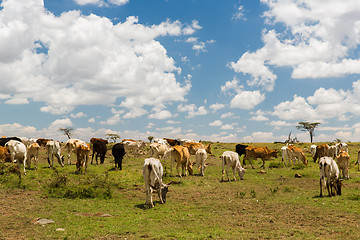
239,13
216,106
78,115
316,40
216,123
192,110
74,59
102,3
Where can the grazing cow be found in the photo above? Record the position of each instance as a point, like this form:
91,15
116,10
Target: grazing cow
332,151
42,141
118,151
4,140
284,155
321,151
341,146
313,150
5,154
53,149
161,141
17,152
172,142
152,173
259,152
330,171
92,140
230,158
240,149
128,140
201,157
193,147
135,146
82,156
32,152
343,162
295,152
71,145
100,148
158,150
181,156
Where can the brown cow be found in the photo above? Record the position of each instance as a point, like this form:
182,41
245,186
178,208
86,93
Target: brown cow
5,154
259,152
182,158
295,152
343,163
82,155
92,140
321,151
193,147
172,142
42,141
33,152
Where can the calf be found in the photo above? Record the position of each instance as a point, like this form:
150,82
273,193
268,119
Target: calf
71,145
231,159
152,173
118,151
284,155
201,157
295,152
82,156
259,152
332,151
313,150
343,163
17,152
321,151
53,149
100,148
158,150
330,171
32,152
181,156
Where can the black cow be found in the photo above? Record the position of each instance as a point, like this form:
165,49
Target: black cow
118,151
240,149
99,147
3,141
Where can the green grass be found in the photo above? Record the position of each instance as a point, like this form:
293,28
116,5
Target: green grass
271,205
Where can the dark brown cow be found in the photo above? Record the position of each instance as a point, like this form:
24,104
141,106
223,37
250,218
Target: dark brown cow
92,140
321,151
42,141
172,142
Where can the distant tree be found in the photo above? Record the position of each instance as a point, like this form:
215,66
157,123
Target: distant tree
337,140
308,127
112,137
150,138
67,131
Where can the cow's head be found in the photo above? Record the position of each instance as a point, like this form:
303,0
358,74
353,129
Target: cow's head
208,148
241,171
274,153
337,186
164,191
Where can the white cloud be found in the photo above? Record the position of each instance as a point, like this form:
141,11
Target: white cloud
216,106
216,123
164,114
227,127
247,99
239,13
115,119
73,59
91,120
260,137
192,110
78,115
227,115
101,3
135,112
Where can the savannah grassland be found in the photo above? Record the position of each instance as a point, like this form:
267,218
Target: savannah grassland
274,205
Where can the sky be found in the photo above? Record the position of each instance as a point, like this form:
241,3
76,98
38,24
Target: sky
222,71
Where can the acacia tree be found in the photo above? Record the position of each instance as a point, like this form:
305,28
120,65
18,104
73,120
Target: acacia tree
112,137
67,131
150,138
308,127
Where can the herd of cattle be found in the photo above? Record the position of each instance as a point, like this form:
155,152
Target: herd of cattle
332,159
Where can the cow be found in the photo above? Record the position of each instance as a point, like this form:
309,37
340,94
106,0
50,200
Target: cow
53,149
284,155
71,145
82,156
343,163
259,152
172,142
193,147
341,146
330,171
4,140
18,152
201,157
152,173
231,159
181,156
128,140
118,151
321,151
161,141
32,152
332,151
240,149
295,152
313,150
99,148
92,140
42,141
158,150
135,146
5,154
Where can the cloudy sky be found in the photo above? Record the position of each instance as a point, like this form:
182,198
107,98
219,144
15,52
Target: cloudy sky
228,71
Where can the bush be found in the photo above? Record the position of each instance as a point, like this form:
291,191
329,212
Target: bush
89,185
276,165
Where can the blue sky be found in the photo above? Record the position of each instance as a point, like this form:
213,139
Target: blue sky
228,71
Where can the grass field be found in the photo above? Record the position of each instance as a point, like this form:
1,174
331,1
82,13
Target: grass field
109,204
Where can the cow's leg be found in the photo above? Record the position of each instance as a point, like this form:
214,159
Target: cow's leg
263,165
92,157
178,169
227,172
223,170
49,161
59,160
251,163
24,163
329,188
321,181
233,169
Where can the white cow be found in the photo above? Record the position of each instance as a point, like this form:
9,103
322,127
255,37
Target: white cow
158,150
284,155
32,152
332,151
230,158
18,153
152,173
134,146
341,146
313,150
201,157
71,145
330,171
161,141
53,149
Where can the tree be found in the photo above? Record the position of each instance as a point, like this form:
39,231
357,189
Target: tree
150,138
67,131
112,137
308,127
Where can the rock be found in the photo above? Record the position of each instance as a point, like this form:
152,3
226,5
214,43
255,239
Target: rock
262,171
60,230
42,221
297,175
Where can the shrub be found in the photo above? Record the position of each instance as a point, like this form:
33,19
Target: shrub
276,165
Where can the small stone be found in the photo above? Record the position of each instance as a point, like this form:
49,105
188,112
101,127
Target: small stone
60,230
297,175
262,171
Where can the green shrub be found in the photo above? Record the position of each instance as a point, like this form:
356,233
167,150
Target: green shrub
276,165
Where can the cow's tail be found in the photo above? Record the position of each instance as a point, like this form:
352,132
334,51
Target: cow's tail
151,168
